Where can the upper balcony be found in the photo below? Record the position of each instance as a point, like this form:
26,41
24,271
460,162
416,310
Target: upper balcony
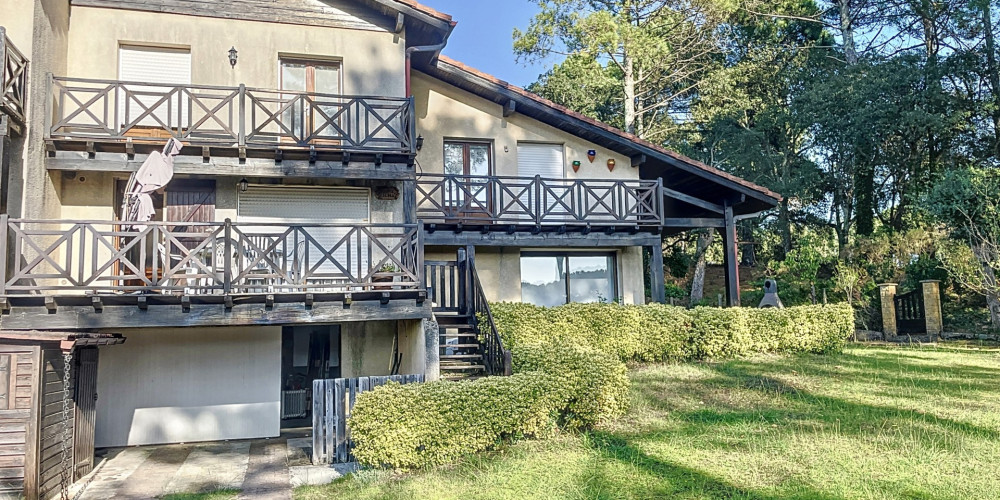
236,123
462,209
13,81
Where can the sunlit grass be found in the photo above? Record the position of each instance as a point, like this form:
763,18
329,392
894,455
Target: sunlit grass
873,423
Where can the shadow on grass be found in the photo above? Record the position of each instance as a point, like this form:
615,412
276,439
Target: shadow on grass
680,480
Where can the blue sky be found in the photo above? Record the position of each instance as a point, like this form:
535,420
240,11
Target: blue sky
483,39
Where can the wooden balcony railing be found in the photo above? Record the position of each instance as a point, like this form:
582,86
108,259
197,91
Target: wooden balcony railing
475,200
234,117
50,257
13,79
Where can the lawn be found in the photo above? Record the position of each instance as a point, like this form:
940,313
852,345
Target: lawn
870,423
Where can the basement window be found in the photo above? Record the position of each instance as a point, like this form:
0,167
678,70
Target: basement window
553,279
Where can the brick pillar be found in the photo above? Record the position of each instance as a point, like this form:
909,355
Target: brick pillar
933,318
887,291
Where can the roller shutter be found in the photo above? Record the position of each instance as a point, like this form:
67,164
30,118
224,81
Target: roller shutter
546,161
153,65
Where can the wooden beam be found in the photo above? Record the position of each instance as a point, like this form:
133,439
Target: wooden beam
230,167
691,200
693,223
639,160
548,240
657,282
80,317
510,108
731,260
400,23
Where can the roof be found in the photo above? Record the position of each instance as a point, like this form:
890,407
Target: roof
441,16
671,165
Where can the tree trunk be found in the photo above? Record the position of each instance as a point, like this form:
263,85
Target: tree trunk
785,225
629,88
864,199
994,72
991,285
698,278
847,31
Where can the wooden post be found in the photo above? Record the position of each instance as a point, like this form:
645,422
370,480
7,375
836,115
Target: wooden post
241,138
731,258
409,202
227,269
4,232
538,199
462,268
887,293
933,318
657,285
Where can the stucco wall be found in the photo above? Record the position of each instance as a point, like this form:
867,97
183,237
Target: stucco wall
372,61
366,348
500,270
446,112
18,20
189,384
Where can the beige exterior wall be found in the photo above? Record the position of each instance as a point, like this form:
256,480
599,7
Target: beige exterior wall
366,348
18,20
189,384
372,61
500,270
446,112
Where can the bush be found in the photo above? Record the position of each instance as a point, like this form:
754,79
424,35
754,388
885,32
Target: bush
665,333
417,425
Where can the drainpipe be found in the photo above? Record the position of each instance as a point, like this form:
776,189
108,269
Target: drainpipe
409,56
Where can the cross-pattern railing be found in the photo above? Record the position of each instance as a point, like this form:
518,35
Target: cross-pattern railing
13,79
112,110
538,201
209,258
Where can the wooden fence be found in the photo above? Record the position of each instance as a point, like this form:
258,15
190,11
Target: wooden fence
13,79
333,401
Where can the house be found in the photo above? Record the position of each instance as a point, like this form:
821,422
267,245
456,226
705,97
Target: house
346,201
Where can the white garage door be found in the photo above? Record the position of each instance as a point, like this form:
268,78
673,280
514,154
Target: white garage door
305,206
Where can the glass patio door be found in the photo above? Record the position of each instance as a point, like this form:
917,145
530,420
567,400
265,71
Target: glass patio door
310,117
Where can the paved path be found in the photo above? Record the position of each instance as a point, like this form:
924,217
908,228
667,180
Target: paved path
259,469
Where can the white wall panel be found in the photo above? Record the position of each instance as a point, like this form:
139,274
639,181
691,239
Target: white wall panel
188,384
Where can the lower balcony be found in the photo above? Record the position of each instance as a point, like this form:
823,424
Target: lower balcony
463,209
101,274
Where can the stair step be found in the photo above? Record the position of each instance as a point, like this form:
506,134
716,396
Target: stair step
462,367
460,346
456,335
446,357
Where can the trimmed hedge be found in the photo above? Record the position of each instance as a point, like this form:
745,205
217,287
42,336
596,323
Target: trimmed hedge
570,372
665,333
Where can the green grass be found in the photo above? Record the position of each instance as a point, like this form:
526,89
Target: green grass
215,495
872,423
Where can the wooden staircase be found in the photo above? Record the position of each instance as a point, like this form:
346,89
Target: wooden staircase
460,351
459,302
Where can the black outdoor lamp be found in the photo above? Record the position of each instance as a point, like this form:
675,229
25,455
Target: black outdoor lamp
420,142
232,56
244,185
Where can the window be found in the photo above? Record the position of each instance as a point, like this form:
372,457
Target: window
152,106
468,159
552,279
315,78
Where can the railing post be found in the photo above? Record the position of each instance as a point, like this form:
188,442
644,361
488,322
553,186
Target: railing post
659,205
242,138
412,125
887,292
227,273
421,272
470,266
4,226
47,116
461,266
538,199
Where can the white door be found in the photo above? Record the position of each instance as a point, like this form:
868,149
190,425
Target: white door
316,254
153,65
547,162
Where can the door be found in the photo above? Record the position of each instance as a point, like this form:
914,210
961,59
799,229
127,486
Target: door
86,411
468,193
545,161
314,118
152,65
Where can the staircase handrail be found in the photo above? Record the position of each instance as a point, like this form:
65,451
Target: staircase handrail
496,358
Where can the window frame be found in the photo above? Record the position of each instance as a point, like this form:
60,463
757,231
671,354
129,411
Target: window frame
613,268
467,169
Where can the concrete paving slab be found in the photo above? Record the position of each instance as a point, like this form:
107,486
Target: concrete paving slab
111,472
317,475
212,467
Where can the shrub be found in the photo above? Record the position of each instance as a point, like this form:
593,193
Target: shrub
417,425
658,332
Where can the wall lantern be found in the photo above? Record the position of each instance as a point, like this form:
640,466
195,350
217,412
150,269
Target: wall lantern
420,142
611,165
244,185
232,57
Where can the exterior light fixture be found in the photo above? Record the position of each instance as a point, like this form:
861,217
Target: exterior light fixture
244,185
232,57
420,142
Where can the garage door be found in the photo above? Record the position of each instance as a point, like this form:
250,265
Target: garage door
321,253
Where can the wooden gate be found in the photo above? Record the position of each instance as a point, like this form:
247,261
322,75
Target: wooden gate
86,411
333,401
910,312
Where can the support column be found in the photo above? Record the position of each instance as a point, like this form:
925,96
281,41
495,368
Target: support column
409,202
887,292
731,258
432,349
4,163
657,290
933,318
